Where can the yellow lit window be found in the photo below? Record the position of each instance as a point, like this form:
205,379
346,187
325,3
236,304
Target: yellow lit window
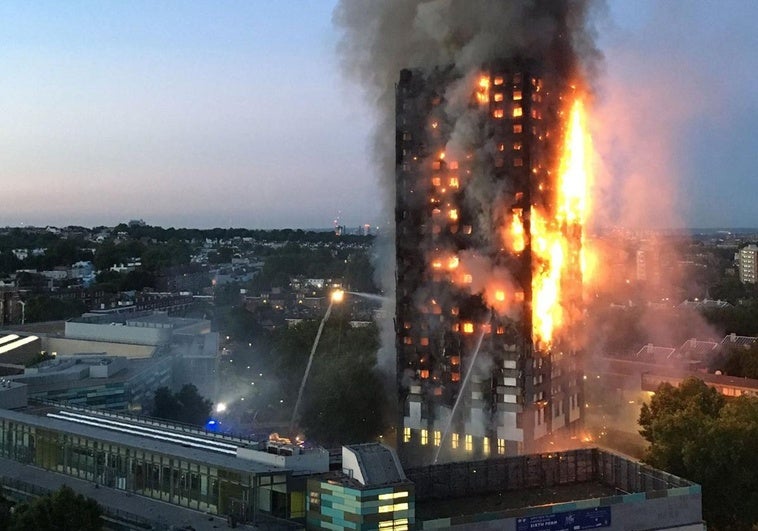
436,181
467,278
424,436
498,96
454,182
468,328
452,165
498,80
501,446
517,95
406,434
517,146
423,374
454,441
469,443
437,437
498,113
486,446
393,495
517,112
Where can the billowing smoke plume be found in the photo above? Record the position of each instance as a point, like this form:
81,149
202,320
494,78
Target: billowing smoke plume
380,38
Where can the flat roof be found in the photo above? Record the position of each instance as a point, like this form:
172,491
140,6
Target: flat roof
37,417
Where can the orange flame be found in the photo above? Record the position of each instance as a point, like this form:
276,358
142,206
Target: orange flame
483,90
557,242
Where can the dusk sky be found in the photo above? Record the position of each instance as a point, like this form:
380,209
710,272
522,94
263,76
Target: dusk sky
234,113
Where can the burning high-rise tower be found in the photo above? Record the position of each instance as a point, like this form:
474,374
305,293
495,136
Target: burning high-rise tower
489,223
488,189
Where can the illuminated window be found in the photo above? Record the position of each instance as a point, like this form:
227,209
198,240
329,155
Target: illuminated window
314,499
454,182
454,441
436,165
467,278
392,508
517,146
518,128
536,114
436,181
437,436
407,341
498,113
500,330
424,341
452,165
406,434
453,214
498,97
517,111
455,360
407,325
424,436
501,446
393,495
517,95
498,80
455,377
467,229
486,446
424,374
454,310
469,443
468,328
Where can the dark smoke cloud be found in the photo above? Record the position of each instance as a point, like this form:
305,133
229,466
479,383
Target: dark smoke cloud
382,37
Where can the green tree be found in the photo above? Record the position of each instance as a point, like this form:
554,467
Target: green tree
63,510
186,406
696,433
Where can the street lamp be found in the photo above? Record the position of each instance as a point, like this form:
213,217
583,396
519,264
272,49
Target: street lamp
336,296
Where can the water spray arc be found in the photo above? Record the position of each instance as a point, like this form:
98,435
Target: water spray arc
337,297
460,393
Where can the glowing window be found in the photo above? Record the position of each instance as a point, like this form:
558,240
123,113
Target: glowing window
436,181
501,446
517,146
498,113
436,165
406,434
455,360
467,229
424,437
437,437
454,441
518,128
469,443
468,328
455,377
517,96
452,165
454,182
467,278
424,341
486,446
498,80
424,374
498,97
518,112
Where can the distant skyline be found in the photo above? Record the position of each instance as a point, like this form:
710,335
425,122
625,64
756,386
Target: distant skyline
234,113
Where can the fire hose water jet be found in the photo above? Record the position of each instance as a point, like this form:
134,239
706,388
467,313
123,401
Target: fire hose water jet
460,393
337,297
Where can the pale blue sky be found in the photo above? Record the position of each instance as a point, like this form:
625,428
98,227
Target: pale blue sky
234,113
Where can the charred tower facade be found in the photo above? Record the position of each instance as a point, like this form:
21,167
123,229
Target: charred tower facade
476,158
